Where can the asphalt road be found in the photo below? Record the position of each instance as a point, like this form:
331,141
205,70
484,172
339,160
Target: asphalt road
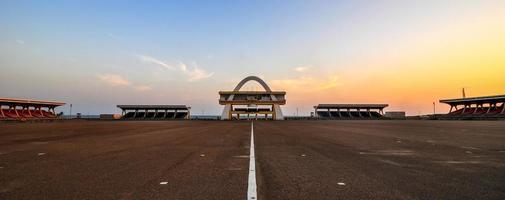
294,160
124,160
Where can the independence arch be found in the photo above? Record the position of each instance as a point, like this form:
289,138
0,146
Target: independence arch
268,99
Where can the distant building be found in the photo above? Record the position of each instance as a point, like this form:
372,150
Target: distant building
395,114
484,107
154,112
349,111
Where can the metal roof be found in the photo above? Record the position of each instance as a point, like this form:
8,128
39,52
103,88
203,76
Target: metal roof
482,99
29,102
160,107
353,106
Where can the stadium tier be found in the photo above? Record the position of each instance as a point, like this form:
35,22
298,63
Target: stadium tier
25,109
349,111
485,107
154,112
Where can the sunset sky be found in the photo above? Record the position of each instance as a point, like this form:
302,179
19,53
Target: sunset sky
97,54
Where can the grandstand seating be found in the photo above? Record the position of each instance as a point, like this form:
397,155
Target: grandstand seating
154,112
349,115
349,111
152,115
22,109
485,107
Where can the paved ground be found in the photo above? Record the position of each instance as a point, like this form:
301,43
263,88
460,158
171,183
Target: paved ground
294,160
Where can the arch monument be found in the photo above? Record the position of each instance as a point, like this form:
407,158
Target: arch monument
258,104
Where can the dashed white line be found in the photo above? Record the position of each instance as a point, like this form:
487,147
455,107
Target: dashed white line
41,154
163,183
251,187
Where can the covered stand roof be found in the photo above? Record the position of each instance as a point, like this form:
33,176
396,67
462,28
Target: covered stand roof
475,100
153,107
29,102
351,106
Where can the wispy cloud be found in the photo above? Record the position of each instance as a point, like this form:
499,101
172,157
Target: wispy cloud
113,36
194,73
142,88
307,83
114,80
302,68
151,60
20,42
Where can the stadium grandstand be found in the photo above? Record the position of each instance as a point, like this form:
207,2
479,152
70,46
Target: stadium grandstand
349,111
154,112
484,107
26,109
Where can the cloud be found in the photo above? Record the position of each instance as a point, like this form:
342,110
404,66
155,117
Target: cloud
193,74
20,42
196,73
114,37
302,68
114,80
142,88
307,83
151,60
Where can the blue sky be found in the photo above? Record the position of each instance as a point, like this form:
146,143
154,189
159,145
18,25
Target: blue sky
96,54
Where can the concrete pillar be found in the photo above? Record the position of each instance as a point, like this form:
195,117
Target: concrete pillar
226,112
359,113
329,113
175,113
278,112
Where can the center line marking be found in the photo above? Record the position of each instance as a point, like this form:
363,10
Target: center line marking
251,188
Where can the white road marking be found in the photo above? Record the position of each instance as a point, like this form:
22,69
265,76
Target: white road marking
163,183
202,155
251,187
303,155
341,183
41,154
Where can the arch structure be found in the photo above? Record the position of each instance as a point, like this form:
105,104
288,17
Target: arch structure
263,104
